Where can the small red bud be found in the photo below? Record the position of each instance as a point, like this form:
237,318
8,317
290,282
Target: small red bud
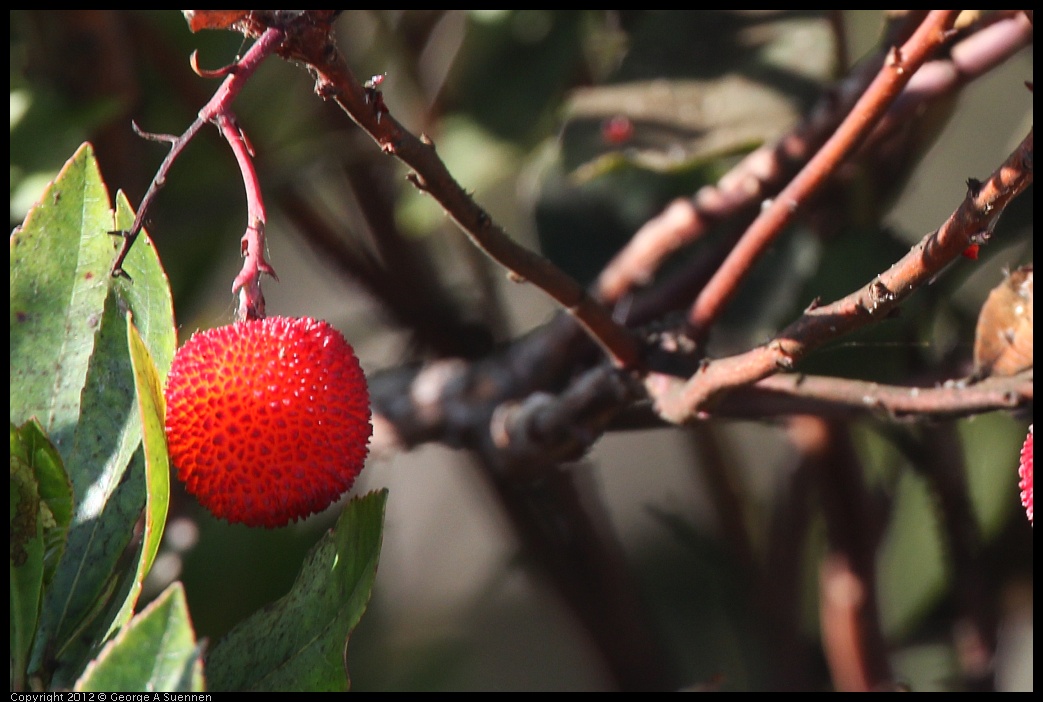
617,130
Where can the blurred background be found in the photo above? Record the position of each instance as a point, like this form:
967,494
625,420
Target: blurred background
571,128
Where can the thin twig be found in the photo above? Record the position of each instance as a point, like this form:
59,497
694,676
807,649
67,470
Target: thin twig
218,104
788,394
757,176
764,171
248,282
900,67
972,222
365,106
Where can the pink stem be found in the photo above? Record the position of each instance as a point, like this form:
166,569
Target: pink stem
783,209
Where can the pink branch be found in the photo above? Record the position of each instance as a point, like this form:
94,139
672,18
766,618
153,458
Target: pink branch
973,221
248,282
760,174
765,170
218,111
895,74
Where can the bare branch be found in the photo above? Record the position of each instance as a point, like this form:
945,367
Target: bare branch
764,171
761,173
900,67
788,394
365,106
218,105
972,222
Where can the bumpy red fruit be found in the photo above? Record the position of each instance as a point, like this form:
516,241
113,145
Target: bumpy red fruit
268,420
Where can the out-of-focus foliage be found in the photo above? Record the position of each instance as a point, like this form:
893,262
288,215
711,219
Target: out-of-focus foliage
572,128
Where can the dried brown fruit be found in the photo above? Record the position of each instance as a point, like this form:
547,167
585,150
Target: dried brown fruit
1003,338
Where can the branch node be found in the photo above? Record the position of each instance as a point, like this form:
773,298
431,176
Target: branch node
418,182
374,96
783,359
894,60
326,89
879,295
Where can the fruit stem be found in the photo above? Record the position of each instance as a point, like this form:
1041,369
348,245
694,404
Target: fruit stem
217,110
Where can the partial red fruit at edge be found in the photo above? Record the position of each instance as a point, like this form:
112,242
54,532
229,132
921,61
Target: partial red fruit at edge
268,420
1025,475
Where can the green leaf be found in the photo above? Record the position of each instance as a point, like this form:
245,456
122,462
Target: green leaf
156,651
27,553
695,90
70,367
31,445
912,557
59,270
99,555
743,80
41,508
299,642
157,466
991,444
914,570
146,292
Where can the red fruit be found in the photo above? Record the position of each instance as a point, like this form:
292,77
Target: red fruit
1025,475
267,420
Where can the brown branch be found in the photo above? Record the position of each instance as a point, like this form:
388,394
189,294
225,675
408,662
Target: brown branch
782,578
452,400
561,427
852,638
900,67
972,222
218,106
756,177
847,619
764,171
940,457
788,394
310,41
443,399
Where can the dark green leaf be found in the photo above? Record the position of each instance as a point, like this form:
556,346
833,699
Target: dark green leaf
298,642
27,552
31,445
